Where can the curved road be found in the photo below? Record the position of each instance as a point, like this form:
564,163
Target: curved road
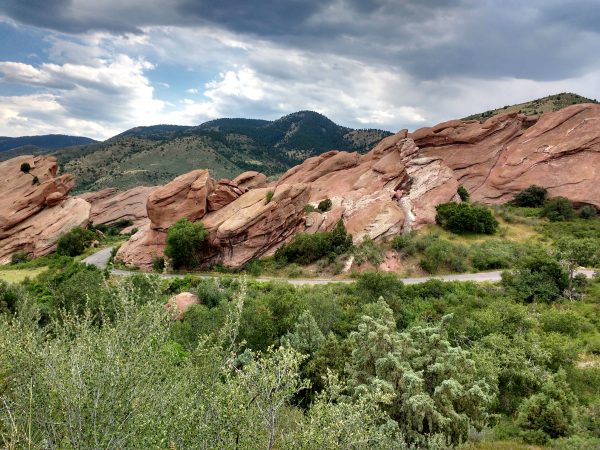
100,259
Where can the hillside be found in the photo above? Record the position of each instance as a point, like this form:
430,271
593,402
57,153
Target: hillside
550,103
48,142
156,154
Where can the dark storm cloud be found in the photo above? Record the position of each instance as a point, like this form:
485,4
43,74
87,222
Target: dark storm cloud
431,39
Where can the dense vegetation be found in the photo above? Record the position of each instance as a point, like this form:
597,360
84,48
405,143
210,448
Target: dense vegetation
88,361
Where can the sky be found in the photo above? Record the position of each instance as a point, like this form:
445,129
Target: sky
98,67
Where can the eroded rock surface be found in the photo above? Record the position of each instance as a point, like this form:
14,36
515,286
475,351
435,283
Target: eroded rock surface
35,208
110,206
509,152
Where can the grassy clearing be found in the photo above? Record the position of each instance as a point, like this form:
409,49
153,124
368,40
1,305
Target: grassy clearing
18,275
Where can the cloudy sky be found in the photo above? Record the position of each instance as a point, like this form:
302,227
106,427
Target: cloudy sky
98,67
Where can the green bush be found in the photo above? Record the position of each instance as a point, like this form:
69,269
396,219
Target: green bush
370,251
558,209
464,218
405,243
184,241
308,208
19,257
269,196
588,212
494,254
35,181
158,264
74,242
463,193
538,277
306,248
324,205
443,253
25,167
532,196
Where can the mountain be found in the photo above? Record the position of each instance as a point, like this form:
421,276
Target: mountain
47,142
156,154
550,103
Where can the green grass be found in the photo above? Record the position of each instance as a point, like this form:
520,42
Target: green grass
18,275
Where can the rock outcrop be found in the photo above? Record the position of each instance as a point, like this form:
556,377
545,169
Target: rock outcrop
509,152
388,190
110,206
251,180
35,208
224,193
180,303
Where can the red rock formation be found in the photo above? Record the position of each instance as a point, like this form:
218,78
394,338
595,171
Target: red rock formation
224,193
35,213
110,206
378,194
180,303
185,196
251,180
509,152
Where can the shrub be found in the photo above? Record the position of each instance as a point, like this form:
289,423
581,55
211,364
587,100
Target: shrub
184,240
532,196
588,212
558,209
306,248
25,167
269,196
19,257
308,208
495,254
35,181
465,218
549,413
158,264
463,193
405,243
368,250
442,253
538,277
74,242
324,205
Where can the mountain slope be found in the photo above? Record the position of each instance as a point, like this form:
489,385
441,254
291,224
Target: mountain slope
156,154
550,103
48,141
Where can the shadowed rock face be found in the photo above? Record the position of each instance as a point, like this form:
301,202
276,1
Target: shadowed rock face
33,215
508,153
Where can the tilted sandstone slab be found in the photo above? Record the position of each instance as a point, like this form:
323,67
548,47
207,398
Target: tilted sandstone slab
35,212
509,152
388,190
251,180
185,196
242,230
110,206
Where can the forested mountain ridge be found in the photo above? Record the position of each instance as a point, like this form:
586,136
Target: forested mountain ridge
156,154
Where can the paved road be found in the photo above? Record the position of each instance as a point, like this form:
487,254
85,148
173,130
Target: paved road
101,257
